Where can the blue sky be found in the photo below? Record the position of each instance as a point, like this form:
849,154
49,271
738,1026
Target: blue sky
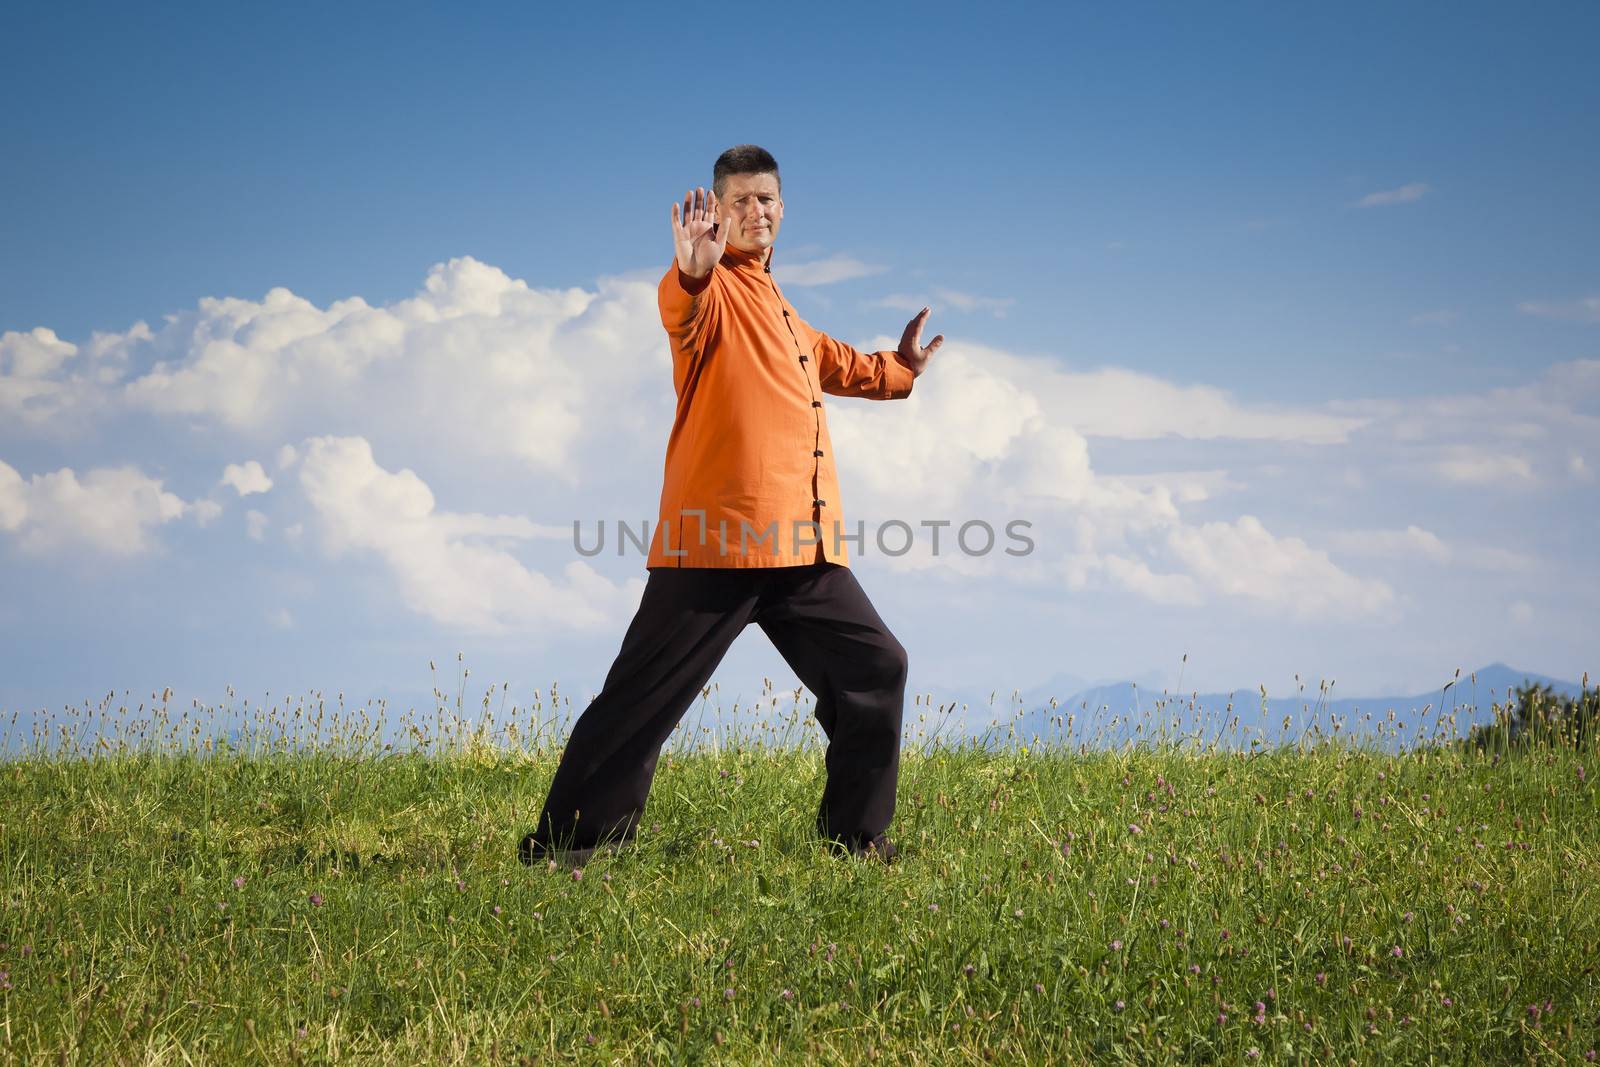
1285,320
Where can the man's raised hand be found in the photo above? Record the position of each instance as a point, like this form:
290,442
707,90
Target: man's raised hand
911,352
699,238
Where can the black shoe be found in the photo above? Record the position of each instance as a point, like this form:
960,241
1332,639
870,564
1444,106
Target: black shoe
878,848
532,852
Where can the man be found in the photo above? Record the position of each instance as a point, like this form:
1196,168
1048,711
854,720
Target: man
749,531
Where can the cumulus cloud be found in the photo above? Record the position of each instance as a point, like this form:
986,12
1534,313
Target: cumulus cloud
46,382
39,353
483,368
1406,194
986,395
996,436
489,366
246,478
441,563
1243,559
31,390
111,510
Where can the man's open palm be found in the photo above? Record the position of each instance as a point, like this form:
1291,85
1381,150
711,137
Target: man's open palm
699,238
911,352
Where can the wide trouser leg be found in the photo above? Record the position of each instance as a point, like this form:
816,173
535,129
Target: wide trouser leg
687,619
827,630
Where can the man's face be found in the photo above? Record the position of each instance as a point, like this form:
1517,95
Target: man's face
752,205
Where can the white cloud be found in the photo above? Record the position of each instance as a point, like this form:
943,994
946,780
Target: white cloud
1502,438
1242,559
493,368
32,385
1476,466
995,436
1415,542
13,498
836,268
43,378
1406,194
255,525
1136,576
246,478
280,618
206,511
441,568
39,353
112,510
1521,613
1412,541
1584,310
479,367
1117,403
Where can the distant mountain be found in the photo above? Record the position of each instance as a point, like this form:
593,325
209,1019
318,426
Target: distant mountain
1111,715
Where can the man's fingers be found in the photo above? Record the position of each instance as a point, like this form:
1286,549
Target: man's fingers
914,327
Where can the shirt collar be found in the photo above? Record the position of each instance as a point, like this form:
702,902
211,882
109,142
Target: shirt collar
739,259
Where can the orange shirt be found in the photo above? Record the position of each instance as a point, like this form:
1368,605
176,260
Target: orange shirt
749,445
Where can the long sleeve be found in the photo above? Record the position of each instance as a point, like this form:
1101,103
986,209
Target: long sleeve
687,304
690,311
845,371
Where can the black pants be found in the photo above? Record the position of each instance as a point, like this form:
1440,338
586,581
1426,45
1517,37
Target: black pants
822,623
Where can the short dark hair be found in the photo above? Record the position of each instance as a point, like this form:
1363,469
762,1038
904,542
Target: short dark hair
743,159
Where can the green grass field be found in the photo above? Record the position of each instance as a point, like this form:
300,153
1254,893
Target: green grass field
169,902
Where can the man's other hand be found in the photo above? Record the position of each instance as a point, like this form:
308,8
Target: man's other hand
911,352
